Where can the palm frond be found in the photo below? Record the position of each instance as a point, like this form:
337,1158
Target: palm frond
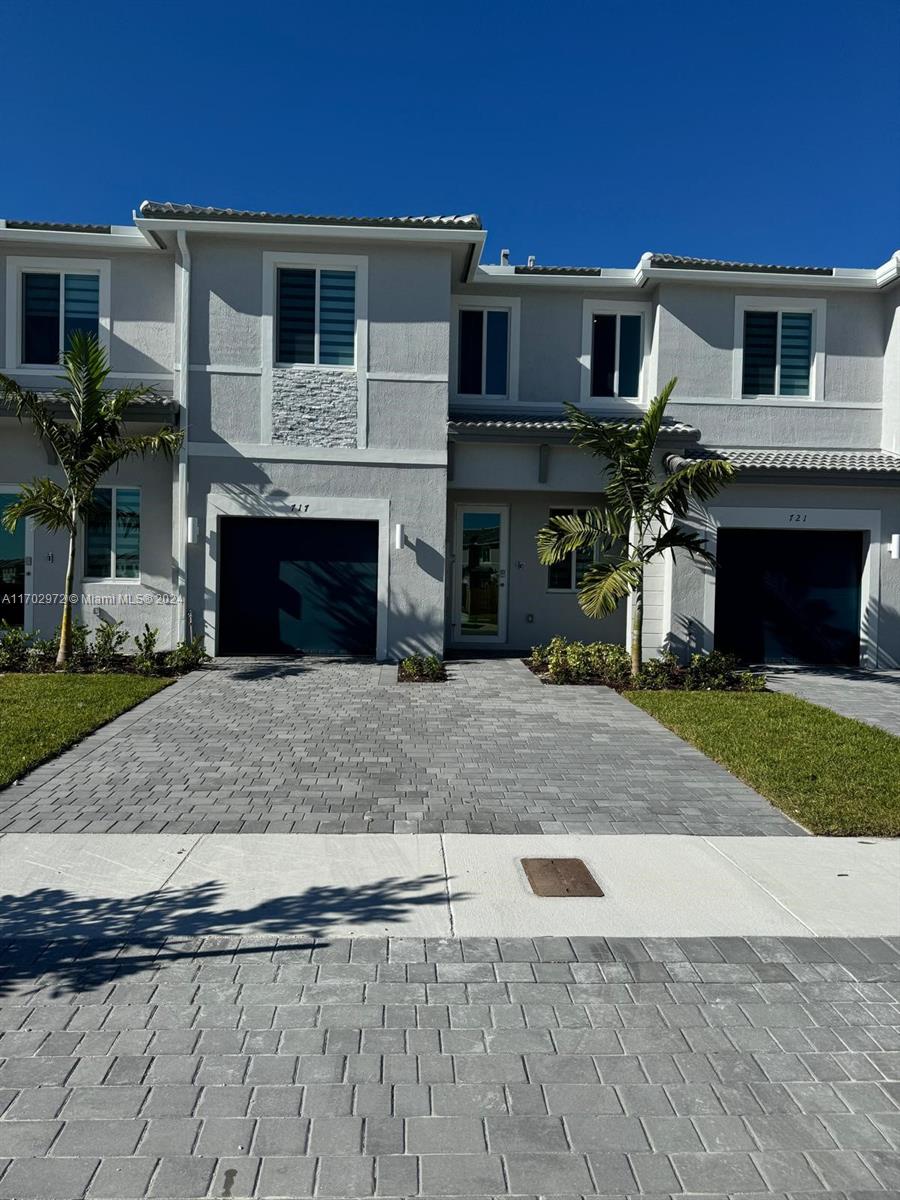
647,431
699,480
605,439
569,531
85,369
679,537
605,584
45,502
31,405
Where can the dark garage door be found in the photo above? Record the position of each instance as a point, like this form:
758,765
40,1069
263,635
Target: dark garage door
789,596
288,584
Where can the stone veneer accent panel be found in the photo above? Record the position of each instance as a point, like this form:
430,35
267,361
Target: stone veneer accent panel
314,408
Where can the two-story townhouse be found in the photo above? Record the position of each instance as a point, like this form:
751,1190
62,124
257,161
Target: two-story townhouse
375,433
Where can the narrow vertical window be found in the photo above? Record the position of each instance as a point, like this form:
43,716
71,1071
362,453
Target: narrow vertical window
496,358
796,353
760,353
603,355
337,318
296,316
82,305
40,318
98,536
629,355
567,574
471,349
128,533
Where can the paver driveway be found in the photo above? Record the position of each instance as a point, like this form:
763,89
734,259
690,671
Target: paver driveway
474,1067
335,746
870,696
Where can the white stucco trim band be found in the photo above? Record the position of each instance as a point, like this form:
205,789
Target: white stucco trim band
245,502
800,517
373,456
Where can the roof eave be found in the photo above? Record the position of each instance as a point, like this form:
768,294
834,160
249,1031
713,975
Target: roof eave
294,229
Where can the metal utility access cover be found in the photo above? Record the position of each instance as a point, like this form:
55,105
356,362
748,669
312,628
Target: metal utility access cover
560,877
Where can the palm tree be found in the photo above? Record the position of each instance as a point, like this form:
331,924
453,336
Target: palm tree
636,517
87,443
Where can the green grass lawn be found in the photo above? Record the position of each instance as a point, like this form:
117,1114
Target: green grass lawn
43,714
833,775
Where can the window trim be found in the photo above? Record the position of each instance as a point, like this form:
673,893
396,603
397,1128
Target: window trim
138,579
509,304
619,308
557,510
271,263
780,304
18,266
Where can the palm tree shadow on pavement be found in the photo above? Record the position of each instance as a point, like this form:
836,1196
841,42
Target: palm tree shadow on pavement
54,938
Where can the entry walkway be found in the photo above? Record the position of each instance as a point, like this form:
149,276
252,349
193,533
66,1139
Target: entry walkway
870,696
335,746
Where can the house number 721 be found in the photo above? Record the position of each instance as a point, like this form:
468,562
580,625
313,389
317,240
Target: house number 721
796,518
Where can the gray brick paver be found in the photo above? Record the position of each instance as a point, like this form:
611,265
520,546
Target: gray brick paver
511,1088
490,752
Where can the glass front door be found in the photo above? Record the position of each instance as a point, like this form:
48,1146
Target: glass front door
12,568
481,574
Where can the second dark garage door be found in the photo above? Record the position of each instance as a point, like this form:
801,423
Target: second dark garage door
789,596
289,584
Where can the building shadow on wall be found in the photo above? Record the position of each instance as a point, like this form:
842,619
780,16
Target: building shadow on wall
73,943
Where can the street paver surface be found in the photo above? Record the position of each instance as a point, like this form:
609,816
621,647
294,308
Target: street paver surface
273,1067
332,746
870,696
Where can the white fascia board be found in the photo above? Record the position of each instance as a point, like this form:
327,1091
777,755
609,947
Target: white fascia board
119,239
845,281
358,233
612,277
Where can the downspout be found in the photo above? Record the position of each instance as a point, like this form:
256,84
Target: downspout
180,525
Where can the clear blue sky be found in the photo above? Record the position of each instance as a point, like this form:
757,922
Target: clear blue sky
583,133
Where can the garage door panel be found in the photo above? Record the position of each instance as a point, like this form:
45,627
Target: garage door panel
288,585
789,596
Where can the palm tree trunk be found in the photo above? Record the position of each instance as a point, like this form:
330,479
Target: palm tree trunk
65,625
637,627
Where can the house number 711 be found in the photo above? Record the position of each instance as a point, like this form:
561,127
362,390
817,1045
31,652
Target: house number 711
796,518
299,508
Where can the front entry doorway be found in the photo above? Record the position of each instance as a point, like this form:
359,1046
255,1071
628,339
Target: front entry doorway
480,575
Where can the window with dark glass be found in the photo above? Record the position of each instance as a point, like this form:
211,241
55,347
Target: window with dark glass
483,366
567,574
54,306
112,540
316,317
616,353
777,353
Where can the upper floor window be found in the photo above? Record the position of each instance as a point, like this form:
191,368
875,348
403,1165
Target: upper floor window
112,539
613,349
779,348
567,574
777,353
316,317
483,367
54,306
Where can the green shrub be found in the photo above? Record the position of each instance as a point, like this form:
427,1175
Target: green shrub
422,668
583,662
720,672
606,663
146,661
187,655
109,642
661,674
79,655
14,643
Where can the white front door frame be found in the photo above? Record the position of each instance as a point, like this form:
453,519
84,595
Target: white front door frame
249,503
28,575
798,518
500,637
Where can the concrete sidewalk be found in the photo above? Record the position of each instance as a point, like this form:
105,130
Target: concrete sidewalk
441,885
